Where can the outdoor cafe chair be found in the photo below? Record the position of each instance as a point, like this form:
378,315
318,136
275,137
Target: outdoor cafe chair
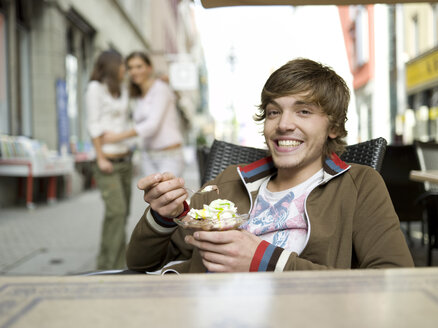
428,157
222,154
398,162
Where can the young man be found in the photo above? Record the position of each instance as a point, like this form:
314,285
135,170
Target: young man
308,209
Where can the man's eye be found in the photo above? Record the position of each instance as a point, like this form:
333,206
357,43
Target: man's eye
271,113
305,112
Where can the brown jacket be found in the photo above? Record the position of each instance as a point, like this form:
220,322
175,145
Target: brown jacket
352,223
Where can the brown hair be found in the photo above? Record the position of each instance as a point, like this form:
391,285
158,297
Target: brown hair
134,89
106,70
319,85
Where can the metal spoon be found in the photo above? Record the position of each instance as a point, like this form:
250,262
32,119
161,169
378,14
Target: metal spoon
201,191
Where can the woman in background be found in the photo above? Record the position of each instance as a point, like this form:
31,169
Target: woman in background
107,110
156,118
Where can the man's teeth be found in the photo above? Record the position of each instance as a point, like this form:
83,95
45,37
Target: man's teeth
288,143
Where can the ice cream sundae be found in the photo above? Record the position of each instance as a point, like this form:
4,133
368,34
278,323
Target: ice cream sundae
220,214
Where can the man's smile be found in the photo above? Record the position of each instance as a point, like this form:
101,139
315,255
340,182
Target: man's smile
289,143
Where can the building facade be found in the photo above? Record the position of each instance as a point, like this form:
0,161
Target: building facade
393,54
421,71
366,38
47,50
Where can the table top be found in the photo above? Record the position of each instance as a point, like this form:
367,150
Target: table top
424,176
37,166
341,298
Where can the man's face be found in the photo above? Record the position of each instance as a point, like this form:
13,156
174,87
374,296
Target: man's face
295,132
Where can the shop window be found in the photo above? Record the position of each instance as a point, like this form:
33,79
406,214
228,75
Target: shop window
411,101
362,36
25,112
425,115
71,64
71,80
435,23
4,112
433,115
78,63
16,113
365,116
415,35
84,72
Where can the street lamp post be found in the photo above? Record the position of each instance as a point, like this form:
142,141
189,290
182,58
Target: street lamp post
233,121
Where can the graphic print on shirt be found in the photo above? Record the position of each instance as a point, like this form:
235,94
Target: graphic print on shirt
282,223
269,218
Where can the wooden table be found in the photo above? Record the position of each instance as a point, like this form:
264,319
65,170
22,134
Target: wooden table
351,298
424,176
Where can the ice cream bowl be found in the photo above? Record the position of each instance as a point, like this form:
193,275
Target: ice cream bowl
212,224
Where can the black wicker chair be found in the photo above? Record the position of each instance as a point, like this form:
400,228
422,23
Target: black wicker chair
223,154
398,162
369,153
428,157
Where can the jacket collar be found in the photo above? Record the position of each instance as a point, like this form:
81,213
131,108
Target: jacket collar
255,173
333,166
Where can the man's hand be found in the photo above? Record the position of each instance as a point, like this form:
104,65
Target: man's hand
165,193
225,251
105,165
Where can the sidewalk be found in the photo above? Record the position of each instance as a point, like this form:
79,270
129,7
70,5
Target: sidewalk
63,238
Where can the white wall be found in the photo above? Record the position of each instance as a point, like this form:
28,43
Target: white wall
112,27
381,124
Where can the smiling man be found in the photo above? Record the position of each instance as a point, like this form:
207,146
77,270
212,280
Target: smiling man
308,209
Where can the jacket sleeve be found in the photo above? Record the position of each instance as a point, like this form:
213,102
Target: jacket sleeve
155,242
268,257
377,239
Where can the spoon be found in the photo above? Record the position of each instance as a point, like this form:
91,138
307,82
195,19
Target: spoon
201,191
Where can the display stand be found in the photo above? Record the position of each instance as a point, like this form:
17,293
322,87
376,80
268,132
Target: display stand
50,168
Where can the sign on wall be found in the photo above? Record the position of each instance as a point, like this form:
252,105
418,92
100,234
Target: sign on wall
63,123
422,71
183,75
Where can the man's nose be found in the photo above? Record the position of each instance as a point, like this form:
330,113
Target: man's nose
287,122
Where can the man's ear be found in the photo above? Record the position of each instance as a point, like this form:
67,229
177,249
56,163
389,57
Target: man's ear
332,133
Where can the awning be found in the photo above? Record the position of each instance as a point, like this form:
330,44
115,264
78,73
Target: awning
226,3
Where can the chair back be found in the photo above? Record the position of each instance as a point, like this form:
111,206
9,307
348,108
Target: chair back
369,153
428,156
398,161
223,154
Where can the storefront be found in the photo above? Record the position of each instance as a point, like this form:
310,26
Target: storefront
422,92
47,50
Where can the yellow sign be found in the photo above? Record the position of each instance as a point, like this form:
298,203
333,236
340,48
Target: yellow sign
433,113
422,71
